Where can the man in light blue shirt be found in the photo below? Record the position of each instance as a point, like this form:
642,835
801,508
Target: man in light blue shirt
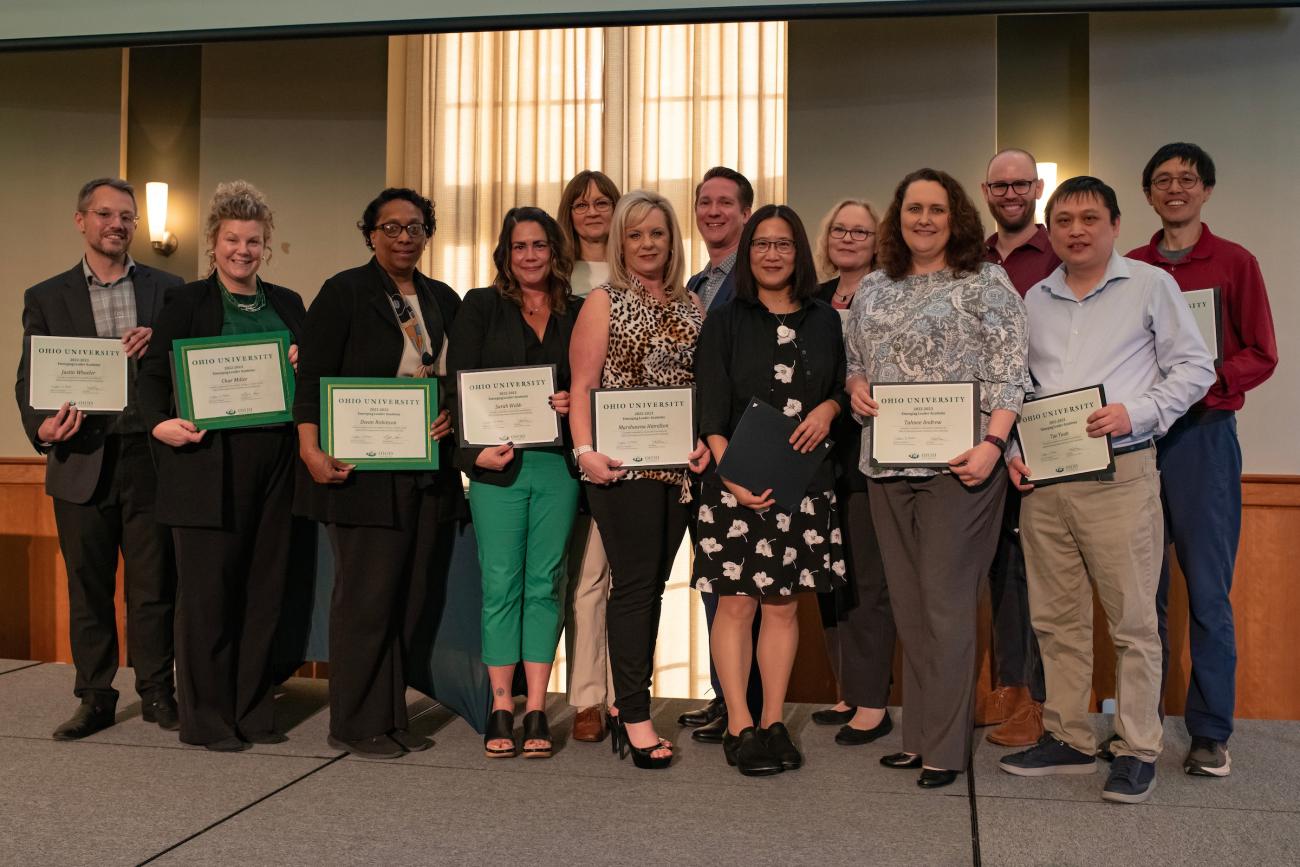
1103,319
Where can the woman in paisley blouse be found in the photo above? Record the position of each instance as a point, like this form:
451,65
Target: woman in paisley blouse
639,329
935,312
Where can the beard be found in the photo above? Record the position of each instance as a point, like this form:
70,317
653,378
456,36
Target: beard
1014,224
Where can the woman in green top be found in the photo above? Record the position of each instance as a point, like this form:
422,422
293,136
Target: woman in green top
226,493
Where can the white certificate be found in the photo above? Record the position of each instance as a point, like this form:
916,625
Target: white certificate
508,405
1204,304
234,380
1054,441
923,424
380,424
88,372
645,428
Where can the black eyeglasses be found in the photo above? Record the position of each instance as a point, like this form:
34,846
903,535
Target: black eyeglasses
392,230
784,246
999,188
1185,182
856,233
600,206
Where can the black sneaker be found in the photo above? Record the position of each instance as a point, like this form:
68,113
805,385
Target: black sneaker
1105,751
1048,756
1207,758
1131,780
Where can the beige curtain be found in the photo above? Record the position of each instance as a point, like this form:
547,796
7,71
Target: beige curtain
481,122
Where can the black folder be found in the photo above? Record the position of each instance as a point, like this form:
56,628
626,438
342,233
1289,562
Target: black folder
759,455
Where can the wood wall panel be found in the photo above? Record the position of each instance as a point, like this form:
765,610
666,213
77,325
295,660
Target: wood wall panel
1266,598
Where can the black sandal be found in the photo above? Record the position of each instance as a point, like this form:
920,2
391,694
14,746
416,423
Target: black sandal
500,727
537,729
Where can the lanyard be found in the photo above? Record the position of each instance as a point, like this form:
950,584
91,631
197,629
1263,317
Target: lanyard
411,326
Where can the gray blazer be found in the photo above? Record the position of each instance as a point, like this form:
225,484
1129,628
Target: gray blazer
60,306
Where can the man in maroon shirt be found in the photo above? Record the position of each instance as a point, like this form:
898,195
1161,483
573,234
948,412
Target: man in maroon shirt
1011,187
1200,459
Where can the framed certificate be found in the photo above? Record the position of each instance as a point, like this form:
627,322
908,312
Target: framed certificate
1204,304
238,380
379,424
923,424
88,372
1054,441
508,405
645,428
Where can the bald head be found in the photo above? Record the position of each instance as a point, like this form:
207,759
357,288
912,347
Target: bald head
1015,159
1011,186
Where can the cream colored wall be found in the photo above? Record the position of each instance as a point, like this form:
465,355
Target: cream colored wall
305,121
60,117
871,100
1229,81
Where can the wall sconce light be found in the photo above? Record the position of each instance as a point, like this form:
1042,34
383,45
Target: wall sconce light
1046,173
155,194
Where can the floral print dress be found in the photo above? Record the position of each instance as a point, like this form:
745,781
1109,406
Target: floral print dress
740,552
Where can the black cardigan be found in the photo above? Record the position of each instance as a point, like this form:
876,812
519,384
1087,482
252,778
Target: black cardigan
191,480
846,431
351,331
734,361
489,333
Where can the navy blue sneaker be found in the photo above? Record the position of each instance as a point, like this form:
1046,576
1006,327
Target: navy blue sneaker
1131,780
1048,756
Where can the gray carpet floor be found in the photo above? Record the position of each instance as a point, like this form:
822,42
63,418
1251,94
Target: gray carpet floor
134,794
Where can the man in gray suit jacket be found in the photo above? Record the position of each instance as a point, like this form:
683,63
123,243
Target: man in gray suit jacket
99,471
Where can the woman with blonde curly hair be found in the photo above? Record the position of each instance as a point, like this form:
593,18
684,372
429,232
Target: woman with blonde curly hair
225,493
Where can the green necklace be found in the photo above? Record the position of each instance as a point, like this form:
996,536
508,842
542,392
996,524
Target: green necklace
253,306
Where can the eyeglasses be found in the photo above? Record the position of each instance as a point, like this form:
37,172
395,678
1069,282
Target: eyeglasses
784,246
392,230
106,215
999,188
1185,182
857,234
600,206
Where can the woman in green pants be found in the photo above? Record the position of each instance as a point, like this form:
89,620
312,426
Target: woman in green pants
523,500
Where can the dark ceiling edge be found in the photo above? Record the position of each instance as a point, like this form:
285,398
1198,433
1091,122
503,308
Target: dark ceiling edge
793,11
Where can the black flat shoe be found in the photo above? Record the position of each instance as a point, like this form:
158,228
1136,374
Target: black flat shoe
711,733
832,717
87,719
161,710
228,745
776,738
936,779
702,716
848,736
376,747
500,727
752,756
537,729
409,742
902,761
265,737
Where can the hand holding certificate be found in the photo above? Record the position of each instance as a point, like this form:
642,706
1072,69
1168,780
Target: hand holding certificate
234,381
1204,304
379,424
508,405
644,428
89,373
1054,440
923,424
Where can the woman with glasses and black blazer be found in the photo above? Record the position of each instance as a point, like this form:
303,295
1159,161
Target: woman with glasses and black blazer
389,529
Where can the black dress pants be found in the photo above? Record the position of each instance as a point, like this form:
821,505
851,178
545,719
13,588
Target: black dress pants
119,516
1015,647
866,634
642,524
231,588
382,578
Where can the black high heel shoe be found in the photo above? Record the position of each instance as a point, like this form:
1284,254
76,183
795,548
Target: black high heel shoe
641,756
500,727
617,735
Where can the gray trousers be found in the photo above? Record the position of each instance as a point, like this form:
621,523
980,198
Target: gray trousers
863,642
937,539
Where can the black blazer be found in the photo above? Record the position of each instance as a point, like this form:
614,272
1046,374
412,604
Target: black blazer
60,307
489,333
846,431
351,331
191,479
735,357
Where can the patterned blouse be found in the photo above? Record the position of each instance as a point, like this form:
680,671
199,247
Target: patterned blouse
937,328
650,345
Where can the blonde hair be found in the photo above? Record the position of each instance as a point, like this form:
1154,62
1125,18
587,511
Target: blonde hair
237,200
631,210
822,249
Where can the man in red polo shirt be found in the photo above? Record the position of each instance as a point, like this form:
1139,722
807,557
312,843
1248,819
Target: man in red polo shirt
1011,187
1200,459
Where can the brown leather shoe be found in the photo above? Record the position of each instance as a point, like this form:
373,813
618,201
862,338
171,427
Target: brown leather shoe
1023,729
589,724
994,708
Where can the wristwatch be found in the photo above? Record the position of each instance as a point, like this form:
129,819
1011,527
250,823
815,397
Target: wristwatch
580,451
997,441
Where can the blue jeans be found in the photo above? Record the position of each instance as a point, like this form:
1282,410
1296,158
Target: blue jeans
1200,486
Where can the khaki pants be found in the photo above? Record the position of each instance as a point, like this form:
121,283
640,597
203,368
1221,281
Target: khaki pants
1108,534
587,650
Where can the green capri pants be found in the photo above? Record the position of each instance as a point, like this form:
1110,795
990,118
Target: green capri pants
523,532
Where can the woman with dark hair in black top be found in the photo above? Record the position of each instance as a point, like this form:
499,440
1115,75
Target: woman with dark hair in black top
778,343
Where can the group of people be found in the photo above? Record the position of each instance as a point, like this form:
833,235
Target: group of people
569,535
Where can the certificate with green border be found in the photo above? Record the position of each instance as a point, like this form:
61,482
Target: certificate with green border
379,424
237,380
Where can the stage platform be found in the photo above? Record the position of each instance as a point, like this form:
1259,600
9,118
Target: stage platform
133,794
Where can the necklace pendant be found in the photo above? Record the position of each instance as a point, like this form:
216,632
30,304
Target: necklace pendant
785,332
